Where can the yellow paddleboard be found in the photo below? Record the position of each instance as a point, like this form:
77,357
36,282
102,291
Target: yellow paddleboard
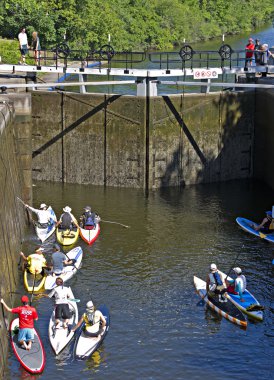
67,237
29,280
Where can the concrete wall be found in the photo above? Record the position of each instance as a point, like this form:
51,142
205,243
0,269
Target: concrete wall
12,214
264,137
132,142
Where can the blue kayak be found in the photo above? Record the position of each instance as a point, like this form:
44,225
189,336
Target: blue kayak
247,225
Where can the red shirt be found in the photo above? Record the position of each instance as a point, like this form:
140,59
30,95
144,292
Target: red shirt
27,314
249,46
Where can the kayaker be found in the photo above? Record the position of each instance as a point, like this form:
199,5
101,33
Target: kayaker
43,215
59,259
215,283
87,219
238,286
36,262
67,220
27,315
94,321
266,226
61,294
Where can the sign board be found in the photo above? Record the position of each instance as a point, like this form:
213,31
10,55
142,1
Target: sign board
204,74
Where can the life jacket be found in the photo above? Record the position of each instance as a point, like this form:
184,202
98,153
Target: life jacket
66,220
89,218
92,322
215,278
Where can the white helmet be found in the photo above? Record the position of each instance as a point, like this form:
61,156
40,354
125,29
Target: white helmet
213,267
90,305
43,205
237,270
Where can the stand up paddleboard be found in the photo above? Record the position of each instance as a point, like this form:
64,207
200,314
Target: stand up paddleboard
226,309
84,346
67,237
60,337
33,283
33,360
69,270
248,226
90,236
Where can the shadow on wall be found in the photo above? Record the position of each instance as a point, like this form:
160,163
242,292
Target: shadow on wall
212,139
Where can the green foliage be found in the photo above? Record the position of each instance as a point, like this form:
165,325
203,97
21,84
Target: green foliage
132,24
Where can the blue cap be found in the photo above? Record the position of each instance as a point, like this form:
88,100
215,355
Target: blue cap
269,213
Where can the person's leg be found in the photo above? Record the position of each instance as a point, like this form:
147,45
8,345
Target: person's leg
58,315
29,338
22,338
65,315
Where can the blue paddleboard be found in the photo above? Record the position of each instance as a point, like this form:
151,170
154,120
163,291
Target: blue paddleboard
247,225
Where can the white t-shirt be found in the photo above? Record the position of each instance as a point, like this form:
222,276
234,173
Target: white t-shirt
23,38
43,216
240,283
61,293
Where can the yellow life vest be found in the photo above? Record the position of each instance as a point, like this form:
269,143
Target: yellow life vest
36,262
92,326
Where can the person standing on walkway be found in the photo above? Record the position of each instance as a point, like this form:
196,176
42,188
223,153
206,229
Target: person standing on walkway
27,315
36,47
249,52
23,45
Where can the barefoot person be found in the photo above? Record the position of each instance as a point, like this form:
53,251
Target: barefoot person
27,315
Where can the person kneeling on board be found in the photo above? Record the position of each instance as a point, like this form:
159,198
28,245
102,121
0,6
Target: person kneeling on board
88,219
36,262
215,283
59,259
61,294
67,220
27,315
267,225
94,321
237,286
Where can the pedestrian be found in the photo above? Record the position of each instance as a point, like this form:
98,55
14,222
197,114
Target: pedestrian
215,283
257,52
249,48
27,315
36,47
93,319
61,295
59,259
23,45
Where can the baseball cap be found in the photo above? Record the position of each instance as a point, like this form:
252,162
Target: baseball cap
25,299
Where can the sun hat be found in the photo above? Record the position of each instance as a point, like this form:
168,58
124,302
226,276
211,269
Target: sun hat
67,209
39,249
237,270
213,267
43,205
89,305
25,299
87,208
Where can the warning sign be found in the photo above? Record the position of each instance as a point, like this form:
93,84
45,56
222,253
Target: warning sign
204,73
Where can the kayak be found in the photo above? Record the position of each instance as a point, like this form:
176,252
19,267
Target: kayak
84,346
60,337
67,237
34,360
44,233
69,270
89,236
38,281
226,309
247,225
249,305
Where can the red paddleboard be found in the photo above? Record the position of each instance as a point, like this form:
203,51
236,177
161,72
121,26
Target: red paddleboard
89,236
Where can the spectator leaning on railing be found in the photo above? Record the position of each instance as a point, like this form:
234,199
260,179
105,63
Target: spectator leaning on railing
249,52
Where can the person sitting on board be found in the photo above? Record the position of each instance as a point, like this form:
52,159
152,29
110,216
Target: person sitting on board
43,215
67,220
87,219
61,294
27,315
94,321
59,259
215,283
36,262
267,225
237,286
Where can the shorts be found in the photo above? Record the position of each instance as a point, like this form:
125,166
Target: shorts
24,49
26,334
62,311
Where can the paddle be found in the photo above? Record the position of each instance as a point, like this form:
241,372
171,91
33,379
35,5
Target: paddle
20,200
70,259
108,221
201,302
33,288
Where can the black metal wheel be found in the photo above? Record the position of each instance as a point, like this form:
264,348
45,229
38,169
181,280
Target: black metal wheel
186,53
225,51
62,50
107,52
